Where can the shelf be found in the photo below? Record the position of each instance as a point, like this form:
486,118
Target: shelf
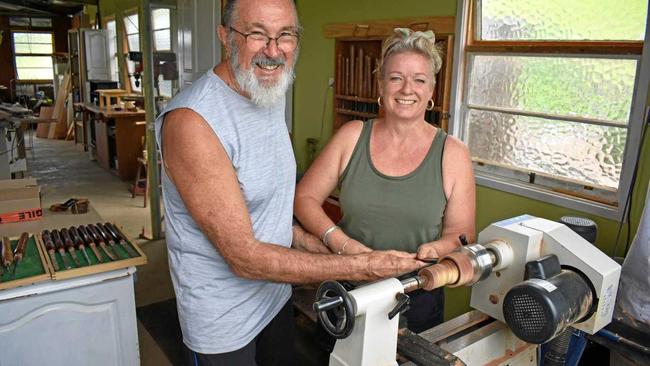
356,113
355,98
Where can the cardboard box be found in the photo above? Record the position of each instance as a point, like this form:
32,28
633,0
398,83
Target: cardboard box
20,200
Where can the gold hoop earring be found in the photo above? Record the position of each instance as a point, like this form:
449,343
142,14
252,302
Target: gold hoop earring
430,104
379,100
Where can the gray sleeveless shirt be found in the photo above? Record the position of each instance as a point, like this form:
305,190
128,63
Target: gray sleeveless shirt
219,311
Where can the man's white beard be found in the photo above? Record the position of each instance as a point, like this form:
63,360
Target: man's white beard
262,94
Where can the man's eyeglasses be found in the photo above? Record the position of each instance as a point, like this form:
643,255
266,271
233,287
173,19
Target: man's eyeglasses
286,41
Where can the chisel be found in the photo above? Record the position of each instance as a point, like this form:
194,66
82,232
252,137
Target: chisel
7,254
79,243
49,245
108,239
19,252
109,228
89,241
60,247
98,239
69,245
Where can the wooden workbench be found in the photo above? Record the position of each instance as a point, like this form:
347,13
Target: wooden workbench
115,137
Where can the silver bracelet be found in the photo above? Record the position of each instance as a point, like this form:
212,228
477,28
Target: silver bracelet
343,246
327,233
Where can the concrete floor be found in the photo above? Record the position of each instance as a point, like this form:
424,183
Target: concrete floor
63,171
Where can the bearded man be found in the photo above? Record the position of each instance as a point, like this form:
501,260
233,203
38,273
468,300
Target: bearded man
228,186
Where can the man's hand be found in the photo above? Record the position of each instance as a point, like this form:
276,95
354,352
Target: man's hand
390,263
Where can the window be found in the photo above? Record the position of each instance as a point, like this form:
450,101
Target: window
133,44
112,49
548,105
33,22
162,42
161,22
33,55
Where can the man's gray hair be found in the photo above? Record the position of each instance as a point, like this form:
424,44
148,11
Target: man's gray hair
230,13
406,40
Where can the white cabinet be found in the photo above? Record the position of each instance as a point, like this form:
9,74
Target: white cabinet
88,320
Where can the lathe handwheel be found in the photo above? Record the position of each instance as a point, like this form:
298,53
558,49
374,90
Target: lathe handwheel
338,320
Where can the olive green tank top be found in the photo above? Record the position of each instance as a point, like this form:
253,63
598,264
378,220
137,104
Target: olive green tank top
387,212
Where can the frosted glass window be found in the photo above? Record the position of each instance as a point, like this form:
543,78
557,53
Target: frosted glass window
132,35
562,20
554,112
131,24
162,40
564,149
597,88
112,49
160,18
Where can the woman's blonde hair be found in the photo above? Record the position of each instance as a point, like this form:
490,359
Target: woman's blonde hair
407,40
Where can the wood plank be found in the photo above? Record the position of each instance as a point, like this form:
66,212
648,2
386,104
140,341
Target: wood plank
382,28
43,129
59,129
585,47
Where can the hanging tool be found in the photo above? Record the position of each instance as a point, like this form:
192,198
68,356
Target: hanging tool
7,255
120,238
49,245
69,245
108,239
98,239
60,247
79,243
19,252
89,240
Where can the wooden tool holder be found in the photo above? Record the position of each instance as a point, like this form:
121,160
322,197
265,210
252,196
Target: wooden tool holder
96,266
32,269
356,81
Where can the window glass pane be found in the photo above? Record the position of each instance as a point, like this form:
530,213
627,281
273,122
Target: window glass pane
134,42
19,21
42,22
160,18
579,151
35,74
131,24
34,61
165,87
33,48
21,37
562,19
40,38
585,87
162,40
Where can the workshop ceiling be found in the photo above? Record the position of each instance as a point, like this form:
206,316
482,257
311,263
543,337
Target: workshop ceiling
43,7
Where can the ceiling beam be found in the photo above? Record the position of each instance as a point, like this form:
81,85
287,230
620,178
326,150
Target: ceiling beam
40,7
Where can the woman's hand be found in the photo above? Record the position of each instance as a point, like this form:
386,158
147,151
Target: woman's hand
355,247
430,251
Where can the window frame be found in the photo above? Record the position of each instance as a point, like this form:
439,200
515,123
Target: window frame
466,45
126,48
20,54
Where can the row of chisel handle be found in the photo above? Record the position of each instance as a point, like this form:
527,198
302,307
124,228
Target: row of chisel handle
13,256
99,236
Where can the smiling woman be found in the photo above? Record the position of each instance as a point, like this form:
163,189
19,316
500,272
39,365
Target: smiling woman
404,184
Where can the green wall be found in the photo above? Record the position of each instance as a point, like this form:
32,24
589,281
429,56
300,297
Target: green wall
316,65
